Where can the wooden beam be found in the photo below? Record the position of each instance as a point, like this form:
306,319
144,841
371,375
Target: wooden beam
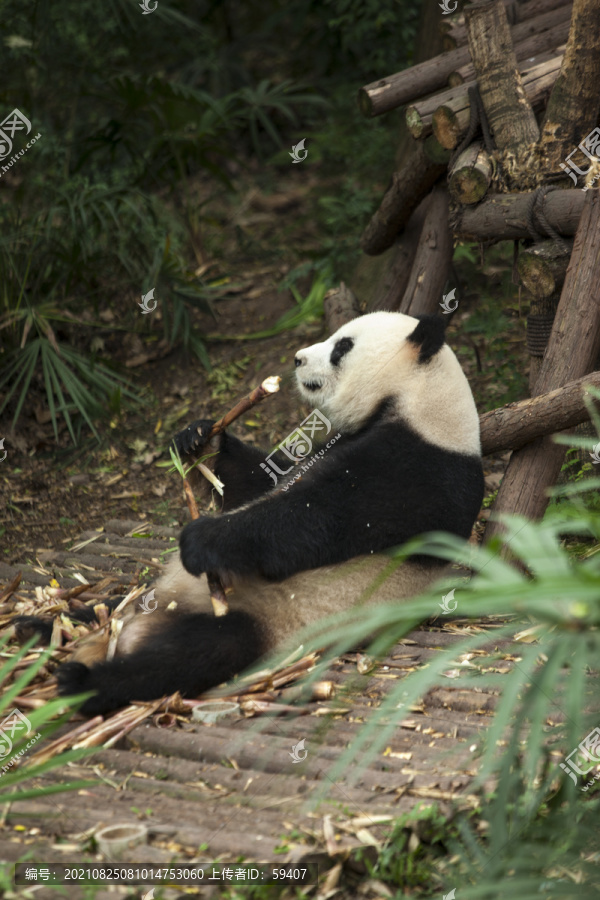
516,424
408,188
503,217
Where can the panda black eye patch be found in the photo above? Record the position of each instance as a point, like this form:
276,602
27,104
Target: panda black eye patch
343,346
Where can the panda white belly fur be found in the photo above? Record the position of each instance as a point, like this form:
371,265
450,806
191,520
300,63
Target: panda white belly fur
408,461
286,607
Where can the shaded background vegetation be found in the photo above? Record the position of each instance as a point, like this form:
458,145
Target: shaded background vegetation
165,138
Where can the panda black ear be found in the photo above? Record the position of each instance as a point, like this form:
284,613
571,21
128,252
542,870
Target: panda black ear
429,336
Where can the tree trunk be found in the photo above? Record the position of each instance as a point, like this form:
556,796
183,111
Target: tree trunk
432,261
572,352
450,119
503,217
406,191
511,117
574,104
516,424
470,176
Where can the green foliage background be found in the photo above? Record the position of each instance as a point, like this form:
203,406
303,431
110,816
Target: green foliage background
132,110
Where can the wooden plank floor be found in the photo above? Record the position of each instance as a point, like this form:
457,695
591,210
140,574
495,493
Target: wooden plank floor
232,788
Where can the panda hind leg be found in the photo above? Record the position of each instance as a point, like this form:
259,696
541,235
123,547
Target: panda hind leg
191,654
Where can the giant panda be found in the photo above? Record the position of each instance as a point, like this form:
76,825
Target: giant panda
406,459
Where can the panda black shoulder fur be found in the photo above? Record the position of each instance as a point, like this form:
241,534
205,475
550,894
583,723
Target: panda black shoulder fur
408,461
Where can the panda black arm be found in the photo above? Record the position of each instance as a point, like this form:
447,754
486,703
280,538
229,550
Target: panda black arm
237,463
367,494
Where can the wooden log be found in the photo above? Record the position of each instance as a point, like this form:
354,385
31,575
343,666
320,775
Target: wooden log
392,286
340,306
471,174
543,267
408,187
516,424
552,12
450,119
432,261
572,352
503,217
432,75
574,104
510,114
537,49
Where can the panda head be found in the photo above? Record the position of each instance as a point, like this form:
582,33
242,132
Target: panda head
388,356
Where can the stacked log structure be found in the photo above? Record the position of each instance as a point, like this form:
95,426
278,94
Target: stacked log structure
505,132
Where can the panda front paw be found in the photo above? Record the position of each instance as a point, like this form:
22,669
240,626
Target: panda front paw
202,546
193,438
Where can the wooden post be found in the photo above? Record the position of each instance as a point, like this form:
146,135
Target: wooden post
572,351
509,112
432,261
574,104
392,284
409,186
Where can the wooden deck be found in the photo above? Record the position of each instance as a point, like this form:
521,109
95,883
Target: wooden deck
232,788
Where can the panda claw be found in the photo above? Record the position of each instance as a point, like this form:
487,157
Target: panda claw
192,438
